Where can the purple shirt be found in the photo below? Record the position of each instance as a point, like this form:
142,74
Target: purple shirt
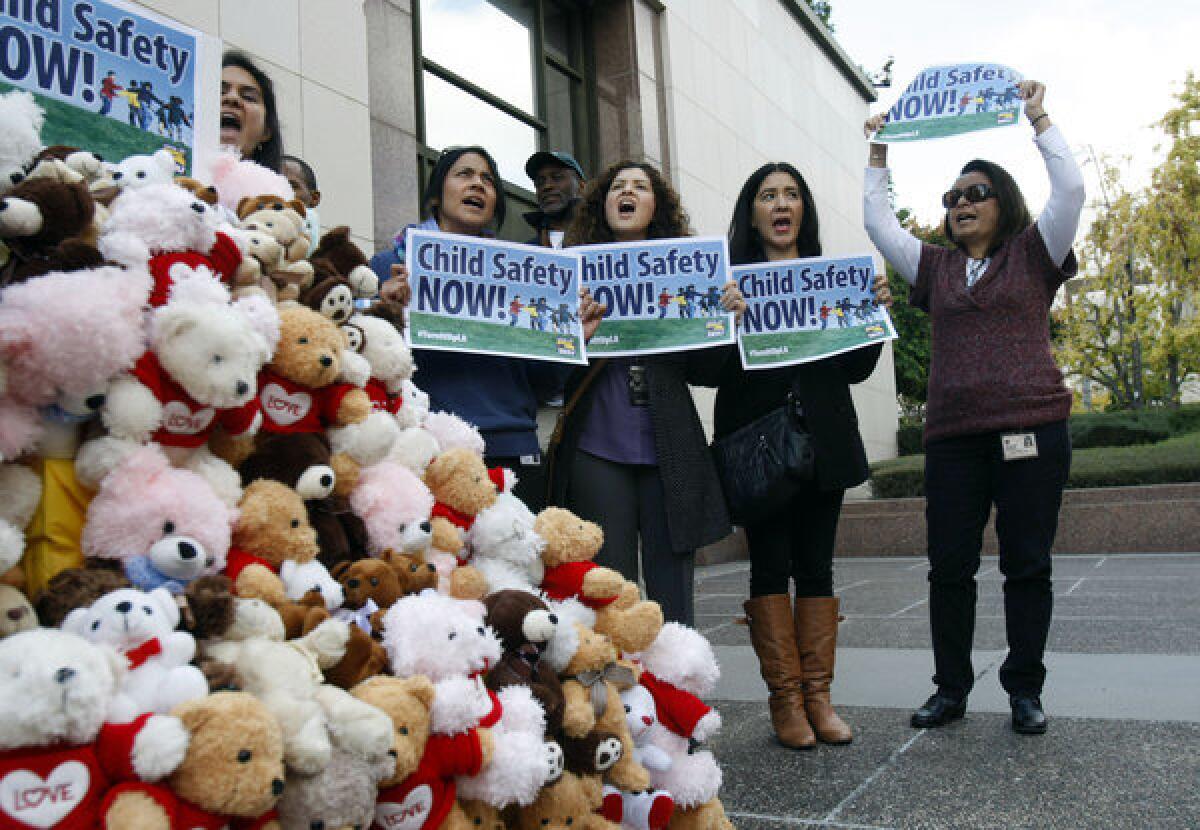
615,429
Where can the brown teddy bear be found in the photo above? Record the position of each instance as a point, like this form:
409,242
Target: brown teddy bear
422,791
567,804
48,225
77,588
204,192
304,462
299,389
347,260
284,222
16,614
462,487
630,622
232,774
330,295
592,681
371,586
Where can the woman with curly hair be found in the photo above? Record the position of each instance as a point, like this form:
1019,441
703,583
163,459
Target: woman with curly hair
633,455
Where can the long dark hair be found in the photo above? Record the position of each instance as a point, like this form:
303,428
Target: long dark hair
437,181
269,153
1014,216
590,226
745,244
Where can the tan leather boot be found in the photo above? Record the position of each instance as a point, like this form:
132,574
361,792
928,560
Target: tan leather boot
774,639
816,638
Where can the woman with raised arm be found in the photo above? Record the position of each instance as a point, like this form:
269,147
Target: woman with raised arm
996,418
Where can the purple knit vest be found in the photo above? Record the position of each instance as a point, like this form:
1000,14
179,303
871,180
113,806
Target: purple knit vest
991,366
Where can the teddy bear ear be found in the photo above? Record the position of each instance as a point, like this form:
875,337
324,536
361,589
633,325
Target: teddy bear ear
263,317
194,714
245,206
339,569
166,603
164,159
420,687
298,206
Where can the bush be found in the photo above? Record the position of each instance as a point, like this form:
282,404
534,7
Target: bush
1117,431
908,436
1185,419
1174,460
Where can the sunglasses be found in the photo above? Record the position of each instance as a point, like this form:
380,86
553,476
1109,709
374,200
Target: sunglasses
974,193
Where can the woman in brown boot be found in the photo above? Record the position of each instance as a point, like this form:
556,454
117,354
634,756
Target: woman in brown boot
775,219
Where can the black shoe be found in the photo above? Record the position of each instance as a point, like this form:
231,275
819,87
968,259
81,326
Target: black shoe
939,710
1027,716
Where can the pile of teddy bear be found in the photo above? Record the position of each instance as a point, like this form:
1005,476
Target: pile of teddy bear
301,598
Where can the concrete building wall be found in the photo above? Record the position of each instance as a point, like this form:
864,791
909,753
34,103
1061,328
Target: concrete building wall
746,83
316,54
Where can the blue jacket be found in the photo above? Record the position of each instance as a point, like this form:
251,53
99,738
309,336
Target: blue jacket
499,395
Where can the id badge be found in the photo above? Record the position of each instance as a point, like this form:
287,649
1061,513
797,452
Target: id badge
530,460
1019,445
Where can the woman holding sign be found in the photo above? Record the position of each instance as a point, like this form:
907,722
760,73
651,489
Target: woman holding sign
775,219
996,420
633,456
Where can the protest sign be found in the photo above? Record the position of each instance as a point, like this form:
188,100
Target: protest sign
113,78
663,295
491,297
951,100
801,310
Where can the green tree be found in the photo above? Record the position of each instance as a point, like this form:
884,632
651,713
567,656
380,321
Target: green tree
823,9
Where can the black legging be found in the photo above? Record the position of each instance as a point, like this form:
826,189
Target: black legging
796,544
627,500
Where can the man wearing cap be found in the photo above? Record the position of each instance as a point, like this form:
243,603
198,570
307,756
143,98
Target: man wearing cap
558,182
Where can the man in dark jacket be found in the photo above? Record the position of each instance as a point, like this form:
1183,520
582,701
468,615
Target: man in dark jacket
558,182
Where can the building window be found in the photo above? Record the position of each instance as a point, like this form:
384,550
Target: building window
507,74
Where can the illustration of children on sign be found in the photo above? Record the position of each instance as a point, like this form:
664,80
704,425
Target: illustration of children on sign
561,318
1011,96
664,302
538,314
866,309
710,303
842,312
824,313
146,97
108,91
962,103
514,310
690,295
172,119
134,100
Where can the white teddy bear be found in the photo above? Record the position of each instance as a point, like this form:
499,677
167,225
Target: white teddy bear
504,546
55,690
141,627
286,676
446,640
201,372
21,122
640,715
20,494
299,578
144,170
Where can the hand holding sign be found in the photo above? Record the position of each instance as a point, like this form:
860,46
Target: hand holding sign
591,313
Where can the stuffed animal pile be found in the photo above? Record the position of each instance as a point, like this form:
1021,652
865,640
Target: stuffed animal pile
249,580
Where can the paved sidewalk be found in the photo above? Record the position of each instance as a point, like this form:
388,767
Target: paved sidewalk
1123,695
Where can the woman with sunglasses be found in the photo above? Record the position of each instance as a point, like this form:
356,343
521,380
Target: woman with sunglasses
996,418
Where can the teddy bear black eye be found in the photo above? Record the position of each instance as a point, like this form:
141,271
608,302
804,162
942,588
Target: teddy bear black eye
403,730
627,709
451,635
95,624
374,581
480,630
295,523
302,340
149,611
217,358
545,821
168,528
244,756
570,821
208,563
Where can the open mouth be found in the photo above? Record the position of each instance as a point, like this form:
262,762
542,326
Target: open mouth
781,224
231,124
964,217
626,208
473,202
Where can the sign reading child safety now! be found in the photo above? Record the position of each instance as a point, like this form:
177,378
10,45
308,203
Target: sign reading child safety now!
492,297
662,295
113,77
802,310
951,100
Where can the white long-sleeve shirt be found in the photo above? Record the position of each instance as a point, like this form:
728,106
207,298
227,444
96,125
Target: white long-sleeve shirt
1057,223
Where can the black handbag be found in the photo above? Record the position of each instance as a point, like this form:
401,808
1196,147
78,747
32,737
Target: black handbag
764,464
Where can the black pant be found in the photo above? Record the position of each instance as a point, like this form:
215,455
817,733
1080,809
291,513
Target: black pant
531,478
628,502
796,544
964,477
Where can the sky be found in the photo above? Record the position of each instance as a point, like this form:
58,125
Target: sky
1110,67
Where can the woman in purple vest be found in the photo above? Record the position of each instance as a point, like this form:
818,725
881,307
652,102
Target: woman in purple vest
996,419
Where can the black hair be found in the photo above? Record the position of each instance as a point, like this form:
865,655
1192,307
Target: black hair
1014,215
745,244
437,181
310,178
269,153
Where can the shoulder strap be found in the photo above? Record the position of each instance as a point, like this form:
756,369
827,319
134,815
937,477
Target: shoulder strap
584,384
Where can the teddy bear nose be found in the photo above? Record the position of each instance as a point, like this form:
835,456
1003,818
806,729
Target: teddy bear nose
326,361
198,207
187,550
426,527
242,387
63,675
124,607
277,786
94,402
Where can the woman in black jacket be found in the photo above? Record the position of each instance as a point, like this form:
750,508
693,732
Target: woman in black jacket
633,455
775,219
